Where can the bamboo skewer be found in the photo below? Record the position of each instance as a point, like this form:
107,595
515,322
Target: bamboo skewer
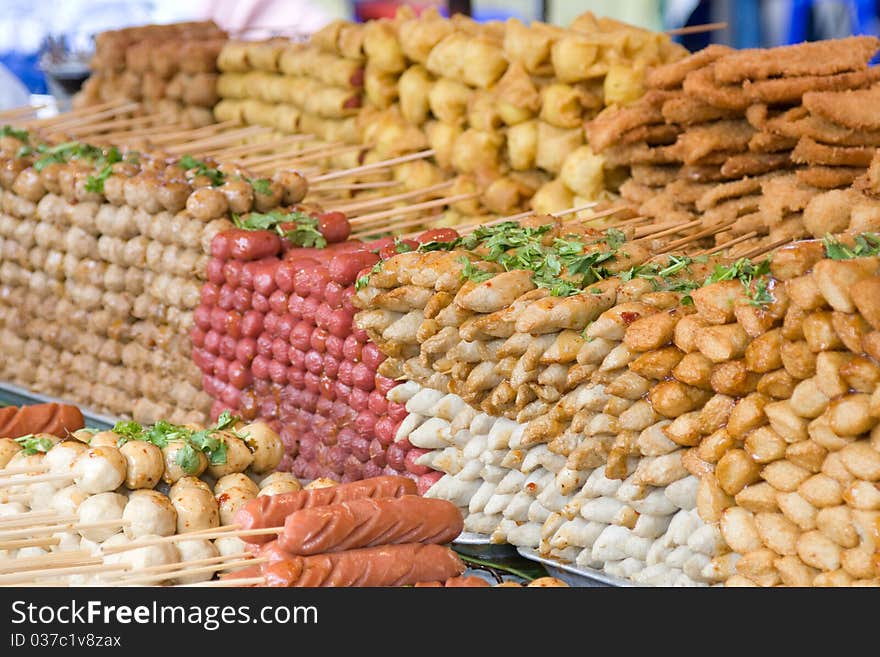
111,126
214,532
726,245
196,133
61,126
291,153
257,147
697,29
371,219
712,230
419,221
171,574
31,521
19,112
223,138
82,111
387,200
379,184
23,480
221,583
128,135
374,166
307,155
63,527
30,542
24,469
760,250
673,229
31,575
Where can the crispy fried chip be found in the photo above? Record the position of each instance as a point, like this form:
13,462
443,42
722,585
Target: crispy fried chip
686,110
639,153
730,210
853,109
869,182
689,192
790,90
701,84
829,177
612,122
753,164
727,191
783,195
654,176
637,192
809,151
655,135
699,141
816,58
767,142
672,75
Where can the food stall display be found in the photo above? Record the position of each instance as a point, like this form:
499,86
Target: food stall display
170,69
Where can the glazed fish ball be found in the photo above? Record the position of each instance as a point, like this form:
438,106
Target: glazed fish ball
194,550
236,480
145,464
173,469
230,501
238,456
99,470
104,439
60,458
8,449
149,512
8,509
278,477
42,493
100,508
266,446
185,483
231,546
90,546
160,554
280,487
66,501
82,435
67,541
321,482
196,509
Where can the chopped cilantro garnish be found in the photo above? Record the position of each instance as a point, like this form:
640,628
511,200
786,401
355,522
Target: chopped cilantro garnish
9,131
305,233
261,186
188,163
32,444
472,273
866,244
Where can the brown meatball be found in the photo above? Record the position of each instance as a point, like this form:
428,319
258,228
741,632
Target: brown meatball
294,184
239,195
207,203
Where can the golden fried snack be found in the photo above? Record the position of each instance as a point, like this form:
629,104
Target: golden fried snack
852,109
808,59
829,177
328,37
419,35
809,151
701,84
484,62
530,46
522,145
699,141
441,138
790,90
482,111
654,176
552,197
264,55
754,164
413,88
573,56
554,145
233,58
672,75
766,142
518,97
449,100
382,48
475,151
687,110
561,106
654,135
602,131
583,173
624,83
446,58
380,87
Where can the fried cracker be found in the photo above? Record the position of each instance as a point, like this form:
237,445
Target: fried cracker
852,109
654,176
699,141
781,91
791,228
767,142
654,135
808,59
637,192
701,84
639,153
717,194
782,195
798,122
666,206
809,151
670,76
753,164
869,182
701,173
729,210
829,177
747,223
688,192
686,110
830,211
611,122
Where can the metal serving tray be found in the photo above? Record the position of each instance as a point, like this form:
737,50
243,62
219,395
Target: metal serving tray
479,545
574,575
18,396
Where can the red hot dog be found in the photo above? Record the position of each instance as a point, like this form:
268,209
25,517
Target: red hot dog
272,510
386,565
56,419
470,581
367,522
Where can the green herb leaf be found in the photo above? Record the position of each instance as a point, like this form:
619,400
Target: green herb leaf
261,186
189,163
473,273
9,131
31,444
188,459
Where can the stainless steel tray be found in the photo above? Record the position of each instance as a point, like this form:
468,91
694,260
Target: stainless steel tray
479,545
574,575
18,396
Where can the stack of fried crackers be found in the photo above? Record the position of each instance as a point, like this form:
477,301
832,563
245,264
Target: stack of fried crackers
736,144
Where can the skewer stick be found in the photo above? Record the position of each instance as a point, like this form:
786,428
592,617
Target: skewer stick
62,527
232,136
374,166
760,250
197,562
281,161
111,126
726,245
61,126
290,153
220,583
22,480
31,575
418,221
673,229
23,469
192,133
18,112
712,230
82,111
697,29
171,574
233,531
379,184
52,517
377,217
30,542
258,147
387,200
51,560
126,135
